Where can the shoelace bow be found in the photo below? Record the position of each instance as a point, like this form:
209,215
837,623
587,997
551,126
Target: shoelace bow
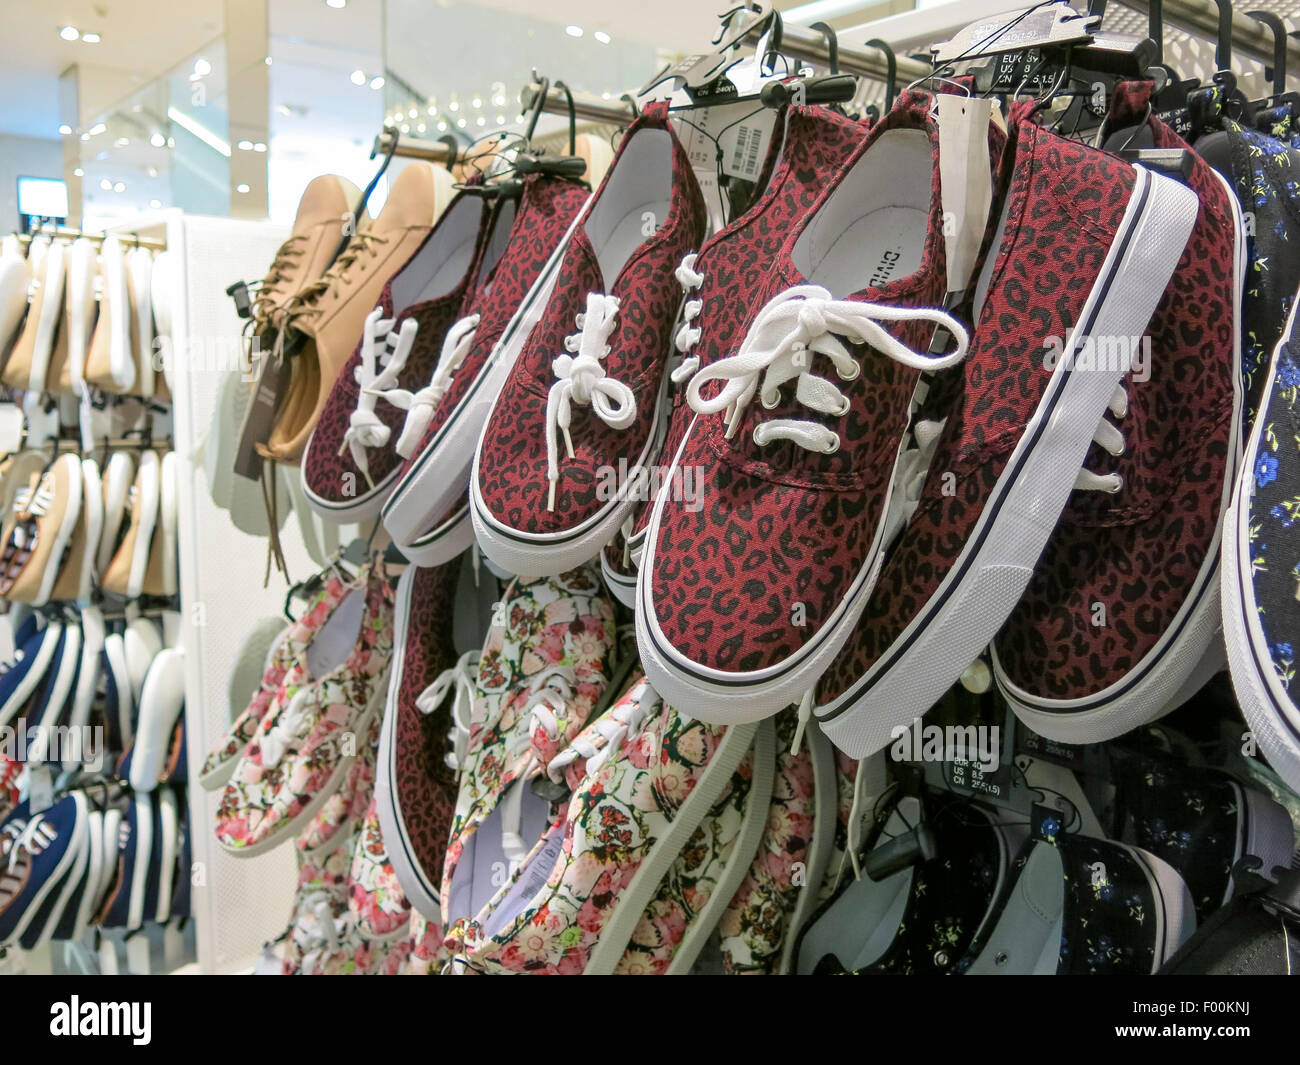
461,679
1109,438
421,404
384,352
288,729
581,378
779,346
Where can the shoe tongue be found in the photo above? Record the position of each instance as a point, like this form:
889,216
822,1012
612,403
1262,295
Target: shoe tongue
411,201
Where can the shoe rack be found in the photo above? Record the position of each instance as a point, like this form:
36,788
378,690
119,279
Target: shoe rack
238,904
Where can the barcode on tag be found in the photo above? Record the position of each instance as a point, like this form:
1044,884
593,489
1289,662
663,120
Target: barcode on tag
745,145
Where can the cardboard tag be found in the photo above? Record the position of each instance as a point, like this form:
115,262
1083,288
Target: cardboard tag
11,428
966,181
259,418
744,145
40,788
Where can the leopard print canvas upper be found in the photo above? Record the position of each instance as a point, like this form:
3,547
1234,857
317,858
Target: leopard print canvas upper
513,456
1065,201
423,785
1136,553
547,208
746,579
328,467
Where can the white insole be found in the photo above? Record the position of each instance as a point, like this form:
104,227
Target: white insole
1027,939
635,203
331,646
483,866
440,264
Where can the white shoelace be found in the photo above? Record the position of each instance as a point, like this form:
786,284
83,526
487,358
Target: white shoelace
420,405
779,346
688,334
319,928
459,679
1111,440
626,718
288,729
383,356
581,378
544,707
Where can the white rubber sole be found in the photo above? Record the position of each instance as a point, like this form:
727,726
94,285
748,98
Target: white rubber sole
997,562
1175,915
443,543
1152,688
621,586
422,887
149,476
1269,709
442,469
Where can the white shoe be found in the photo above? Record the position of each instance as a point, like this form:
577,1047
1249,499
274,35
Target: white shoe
162,699
139,275
82,267
117,478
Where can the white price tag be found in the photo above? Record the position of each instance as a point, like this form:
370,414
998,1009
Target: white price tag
966,181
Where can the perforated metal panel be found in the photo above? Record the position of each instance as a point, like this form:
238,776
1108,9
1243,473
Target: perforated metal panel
240,902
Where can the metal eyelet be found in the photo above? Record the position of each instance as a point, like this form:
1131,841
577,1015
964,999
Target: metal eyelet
845,407
1119,485
833,444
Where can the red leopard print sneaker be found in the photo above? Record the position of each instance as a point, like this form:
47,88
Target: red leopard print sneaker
416,788
809,142
743,601
1118,624
505,301
1085,246
573,430
416,334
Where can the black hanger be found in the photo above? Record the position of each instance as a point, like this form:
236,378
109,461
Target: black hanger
573,118
832,45
1280,98
535,103
701,69
891,71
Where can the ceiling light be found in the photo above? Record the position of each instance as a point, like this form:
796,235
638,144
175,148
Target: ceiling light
476,102
85,136
241,188
69,33
499,99
78,172
818,9
442,126
285,110
258,146
268,61
66,130
245,146
121,142
460,123
454,105
601,36
573,31
420,128
413,112
358,77
406,128
336,3
90,38
202,67
97,129
501,120
155,204
377,82
606,95
157,140
119,186
152,171
480,121
105,184
196,129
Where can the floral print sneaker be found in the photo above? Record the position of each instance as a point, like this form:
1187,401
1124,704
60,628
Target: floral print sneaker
311,734
644,779
218,766
547,658
379,910
346,808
